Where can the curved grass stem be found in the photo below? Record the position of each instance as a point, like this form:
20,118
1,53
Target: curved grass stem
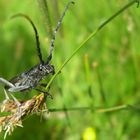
91,36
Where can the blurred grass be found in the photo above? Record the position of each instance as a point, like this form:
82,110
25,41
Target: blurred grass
103,74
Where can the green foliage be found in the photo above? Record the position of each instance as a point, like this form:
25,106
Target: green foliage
103,74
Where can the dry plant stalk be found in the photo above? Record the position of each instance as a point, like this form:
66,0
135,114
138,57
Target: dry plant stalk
17,113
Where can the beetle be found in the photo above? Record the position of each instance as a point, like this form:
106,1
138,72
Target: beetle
31,78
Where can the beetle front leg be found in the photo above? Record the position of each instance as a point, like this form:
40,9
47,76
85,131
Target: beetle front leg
45,92
6,82
18,88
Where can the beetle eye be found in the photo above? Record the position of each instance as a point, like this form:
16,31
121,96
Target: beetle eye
40,67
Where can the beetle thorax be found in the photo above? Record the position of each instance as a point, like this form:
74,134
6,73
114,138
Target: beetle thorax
46,69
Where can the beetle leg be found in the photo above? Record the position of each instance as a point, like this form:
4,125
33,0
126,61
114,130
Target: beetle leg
43,84
6,82
17,88
45,92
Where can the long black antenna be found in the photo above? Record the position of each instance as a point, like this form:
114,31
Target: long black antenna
36,34
56,29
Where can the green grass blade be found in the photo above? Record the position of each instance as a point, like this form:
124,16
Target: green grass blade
90,37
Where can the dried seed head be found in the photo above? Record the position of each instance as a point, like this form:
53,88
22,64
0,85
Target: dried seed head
18,112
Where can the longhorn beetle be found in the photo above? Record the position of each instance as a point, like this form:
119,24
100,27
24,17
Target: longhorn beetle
31,78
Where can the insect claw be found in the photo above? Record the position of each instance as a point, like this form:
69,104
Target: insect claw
46,93
53,72
49,95
59,72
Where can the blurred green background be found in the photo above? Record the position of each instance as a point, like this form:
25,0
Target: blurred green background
105,73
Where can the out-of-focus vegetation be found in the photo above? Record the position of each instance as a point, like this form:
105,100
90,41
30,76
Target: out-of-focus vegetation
105,73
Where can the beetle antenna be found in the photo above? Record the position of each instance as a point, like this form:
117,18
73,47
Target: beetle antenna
56,29
36,34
